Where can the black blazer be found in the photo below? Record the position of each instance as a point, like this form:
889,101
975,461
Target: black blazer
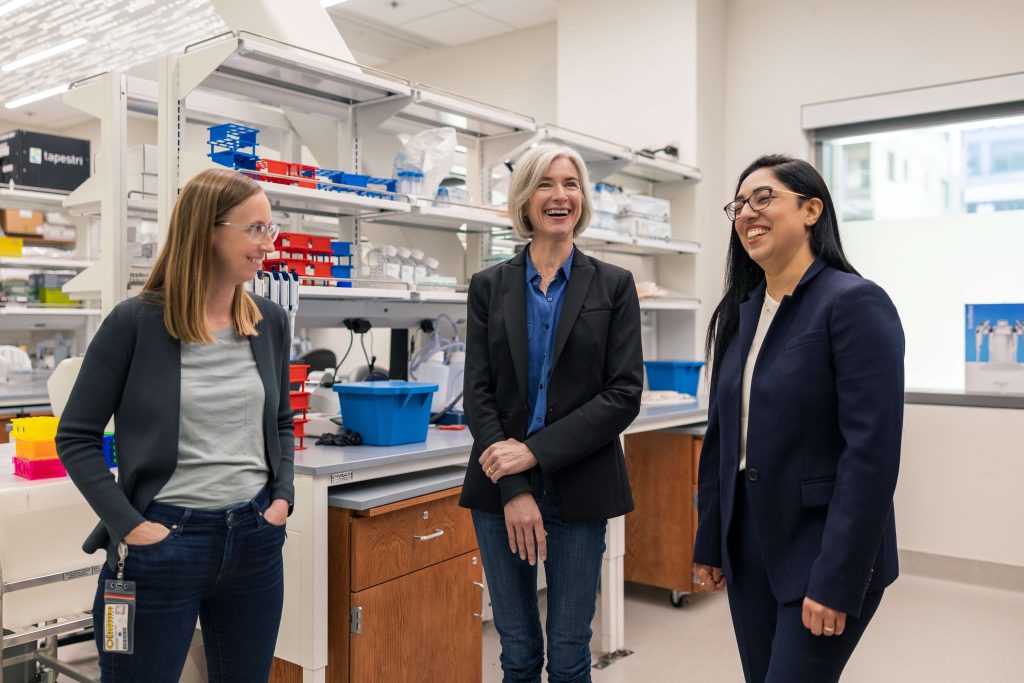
823,441
594,393
132,370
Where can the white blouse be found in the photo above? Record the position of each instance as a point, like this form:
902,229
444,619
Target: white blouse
763,323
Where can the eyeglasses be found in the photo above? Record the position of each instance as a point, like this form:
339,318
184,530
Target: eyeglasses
257,231
759,200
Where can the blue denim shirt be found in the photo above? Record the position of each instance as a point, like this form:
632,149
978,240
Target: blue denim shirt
542,311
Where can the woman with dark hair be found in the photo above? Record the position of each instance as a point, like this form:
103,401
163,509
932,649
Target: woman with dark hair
195,372
799,464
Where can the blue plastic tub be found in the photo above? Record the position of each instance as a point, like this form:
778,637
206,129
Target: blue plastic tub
341,248
387,413
673,375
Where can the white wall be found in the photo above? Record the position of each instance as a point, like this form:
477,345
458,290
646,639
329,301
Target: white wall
515,71
959,488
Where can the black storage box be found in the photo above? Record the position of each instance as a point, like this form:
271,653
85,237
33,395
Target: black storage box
50,162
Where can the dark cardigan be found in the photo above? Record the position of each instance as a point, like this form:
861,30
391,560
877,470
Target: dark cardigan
132,370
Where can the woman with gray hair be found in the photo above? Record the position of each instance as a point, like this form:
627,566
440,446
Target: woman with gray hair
554,372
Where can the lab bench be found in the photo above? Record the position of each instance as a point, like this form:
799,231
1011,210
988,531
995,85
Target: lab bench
322,552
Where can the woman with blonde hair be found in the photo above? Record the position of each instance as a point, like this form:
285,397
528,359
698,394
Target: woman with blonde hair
553,375
195,372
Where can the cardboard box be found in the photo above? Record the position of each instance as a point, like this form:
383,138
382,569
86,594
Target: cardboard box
39,160
21,222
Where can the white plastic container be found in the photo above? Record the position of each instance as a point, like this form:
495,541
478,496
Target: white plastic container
456,370
419,268
434,371
392,264
373,262
407,270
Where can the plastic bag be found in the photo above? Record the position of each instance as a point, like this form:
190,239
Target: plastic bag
430,152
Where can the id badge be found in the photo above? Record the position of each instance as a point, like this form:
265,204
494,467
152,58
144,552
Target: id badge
119,616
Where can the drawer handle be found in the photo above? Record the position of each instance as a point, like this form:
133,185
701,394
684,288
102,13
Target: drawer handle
437,533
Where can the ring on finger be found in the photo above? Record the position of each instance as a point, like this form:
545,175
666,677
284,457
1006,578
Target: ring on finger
829,629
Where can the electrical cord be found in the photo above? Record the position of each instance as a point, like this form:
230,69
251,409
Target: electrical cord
351,339
436,417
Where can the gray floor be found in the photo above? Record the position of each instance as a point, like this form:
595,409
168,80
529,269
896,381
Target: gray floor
926,631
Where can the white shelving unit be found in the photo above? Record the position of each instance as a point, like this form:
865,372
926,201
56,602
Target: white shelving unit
28,318
17,317
30,199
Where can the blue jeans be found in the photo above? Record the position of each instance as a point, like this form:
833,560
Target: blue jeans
573,570
222,566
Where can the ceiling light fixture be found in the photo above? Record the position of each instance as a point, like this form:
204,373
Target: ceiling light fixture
42,95
43,54
12,5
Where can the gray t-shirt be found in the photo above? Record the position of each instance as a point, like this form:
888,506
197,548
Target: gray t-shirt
221,451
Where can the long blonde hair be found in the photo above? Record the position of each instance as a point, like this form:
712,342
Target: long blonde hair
181,274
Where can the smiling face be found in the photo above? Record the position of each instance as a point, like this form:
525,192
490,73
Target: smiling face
778,233
554,207
236,255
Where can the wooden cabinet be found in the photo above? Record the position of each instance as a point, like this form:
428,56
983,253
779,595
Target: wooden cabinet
661,530
405,593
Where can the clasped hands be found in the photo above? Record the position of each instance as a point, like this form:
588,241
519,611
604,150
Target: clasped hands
506,457
523,522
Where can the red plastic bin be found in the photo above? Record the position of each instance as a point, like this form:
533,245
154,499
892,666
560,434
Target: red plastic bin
297,373
301,242
38,469
307,174
300,428
300,400
303,267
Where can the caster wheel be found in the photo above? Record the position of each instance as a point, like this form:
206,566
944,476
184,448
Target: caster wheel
679,599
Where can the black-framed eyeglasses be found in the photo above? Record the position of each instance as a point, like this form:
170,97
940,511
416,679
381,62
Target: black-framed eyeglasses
759,200
257,231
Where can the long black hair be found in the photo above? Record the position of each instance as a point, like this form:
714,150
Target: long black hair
742,274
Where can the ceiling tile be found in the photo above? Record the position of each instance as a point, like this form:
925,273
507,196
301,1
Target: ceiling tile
393,12
521,14
456,27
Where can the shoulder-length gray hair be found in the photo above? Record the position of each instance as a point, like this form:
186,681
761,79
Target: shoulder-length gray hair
526,177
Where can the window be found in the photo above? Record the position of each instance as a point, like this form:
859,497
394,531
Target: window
955,168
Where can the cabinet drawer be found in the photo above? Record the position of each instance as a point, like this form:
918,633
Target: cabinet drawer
394,540
422,627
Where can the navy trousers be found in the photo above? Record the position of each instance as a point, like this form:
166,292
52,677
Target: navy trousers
774,645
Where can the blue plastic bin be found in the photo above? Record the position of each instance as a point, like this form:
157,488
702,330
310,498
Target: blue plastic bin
341,248
673,375
387,413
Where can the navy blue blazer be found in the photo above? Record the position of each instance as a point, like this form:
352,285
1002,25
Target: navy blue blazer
823,441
